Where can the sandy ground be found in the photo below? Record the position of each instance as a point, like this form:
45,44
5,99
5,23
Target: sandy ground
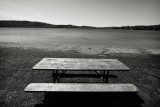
83,49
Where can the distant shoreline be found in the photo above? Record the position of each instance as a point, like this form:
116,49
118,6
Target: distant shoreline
31,24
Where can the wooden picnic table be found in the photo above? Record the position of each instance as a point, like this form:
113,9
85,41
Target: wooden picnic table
62,65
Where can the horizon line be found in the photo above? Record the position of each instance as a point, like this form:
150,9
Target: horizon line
80,25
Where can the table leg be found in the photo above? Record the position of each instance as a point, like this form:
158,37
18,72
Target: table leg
57,76
102,75
107,76
54,76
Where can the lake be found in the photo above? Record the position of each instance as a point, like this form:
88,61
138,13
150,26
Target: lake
76,38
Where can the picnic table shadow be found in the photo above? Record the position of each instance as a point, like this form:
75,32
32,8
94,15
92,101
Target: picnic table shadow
122,99
86,76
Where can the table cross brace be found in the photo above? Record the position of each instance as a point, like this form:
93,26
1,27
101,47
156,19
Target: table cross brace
56,75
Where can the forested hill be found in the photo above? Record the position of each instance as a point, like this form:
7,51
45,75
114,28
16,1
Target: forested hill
29,24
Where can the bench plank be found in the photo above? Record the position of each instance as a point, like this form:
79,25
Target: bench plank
80,87
80,64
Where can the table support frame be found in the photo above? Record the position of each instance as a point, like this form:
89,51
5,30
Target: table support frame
58,73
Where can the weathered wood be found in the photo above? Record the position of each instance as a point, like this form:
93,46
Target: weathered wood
80,87
80,64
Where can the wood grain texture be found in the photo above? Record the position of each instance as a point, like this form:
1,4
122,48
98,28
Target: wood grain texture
79,64
80,87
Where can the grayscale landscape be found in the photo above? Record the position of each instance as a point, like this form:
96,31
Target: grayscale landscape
127,31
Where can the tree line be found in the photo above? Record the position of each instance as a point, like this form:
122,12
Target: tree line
29,24
139,27
23,24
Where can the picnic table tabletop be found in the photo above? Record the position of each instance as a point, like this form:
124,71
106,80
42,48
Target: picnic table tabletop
80,64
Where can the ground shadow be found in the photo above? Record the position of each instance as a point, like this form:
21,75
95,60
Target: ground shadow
85,75
91,99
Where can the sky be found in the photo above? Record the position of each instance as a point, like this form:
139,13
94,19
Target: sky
98,13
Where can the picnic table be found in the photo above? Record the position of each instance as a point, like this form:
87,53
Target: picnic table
61,65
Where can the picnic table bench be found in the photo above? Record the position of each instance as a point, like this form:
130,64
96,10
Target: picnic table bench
80,87
61,65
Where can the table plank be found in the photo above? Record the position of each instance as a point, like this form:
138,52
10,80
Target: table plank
79,64
80,87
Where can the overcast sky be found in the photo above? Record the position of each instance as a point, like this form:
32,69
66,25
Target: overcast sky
98,13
